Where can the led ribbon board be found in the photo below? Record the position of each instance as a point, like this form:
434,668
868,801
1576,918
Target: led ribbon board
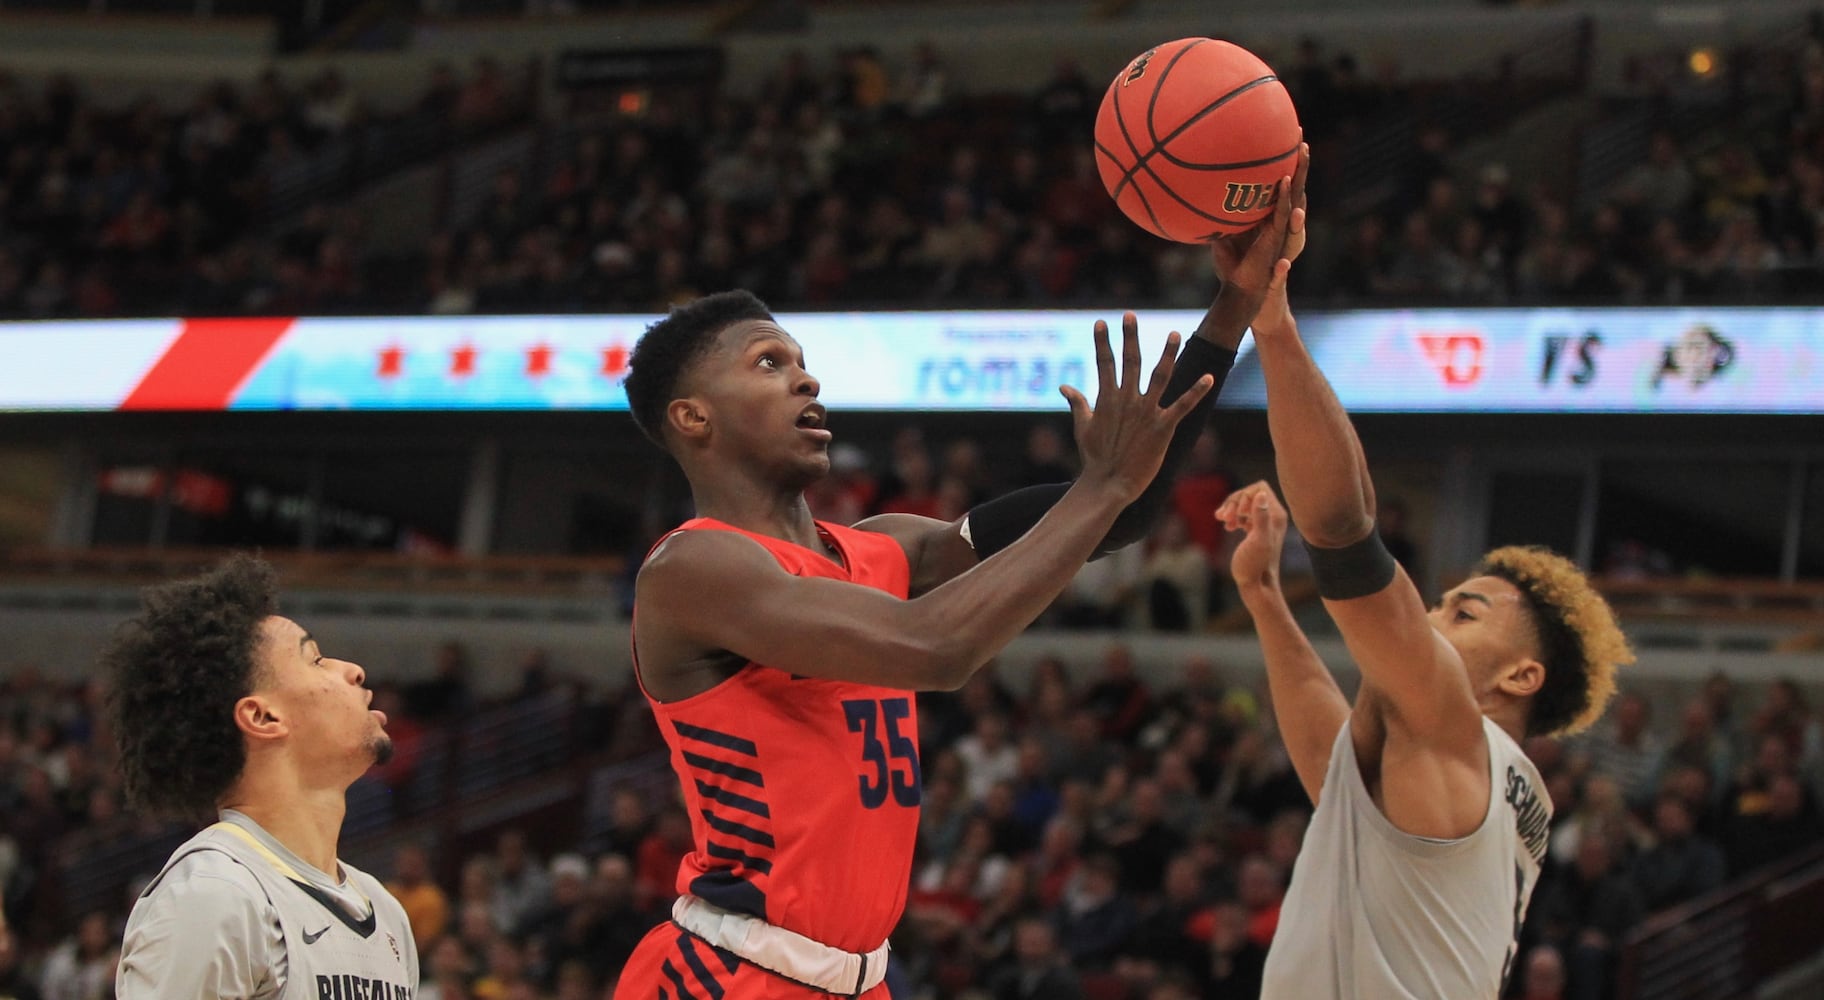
1390,361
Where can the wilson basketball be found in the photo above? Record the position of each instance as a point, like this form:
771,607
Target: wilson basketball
1193,137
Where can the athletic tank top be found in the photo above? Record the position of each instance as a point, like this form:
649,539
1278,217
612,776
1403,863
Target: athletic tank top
1377,914
233,913
803,793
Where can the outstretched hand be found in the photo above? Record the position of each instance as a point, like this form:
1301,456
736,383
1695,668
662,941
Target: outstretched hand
1255,510
1247,261
1123,437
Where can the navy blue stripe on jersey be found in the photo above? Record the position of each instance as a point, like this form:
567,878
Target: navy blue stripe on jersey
724,768
688,949
733,799
733,893
730,960
726,853
677,981
716,738
734,829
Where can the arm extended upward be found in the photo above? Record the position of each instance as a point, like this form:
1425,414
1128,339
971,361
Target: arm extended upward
708,592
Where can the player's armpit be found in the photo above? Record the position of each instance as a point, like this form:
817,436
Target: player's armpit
1417,675
707,591
936,551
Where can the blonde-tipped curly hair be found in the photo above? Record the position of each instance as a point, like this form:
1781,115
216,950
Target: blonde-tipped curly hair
1579,642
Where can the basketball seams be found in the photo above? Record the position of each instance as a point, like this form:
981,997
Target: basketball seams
1158,227
1121,127
1152,103
1184,215
1239,165
1144,162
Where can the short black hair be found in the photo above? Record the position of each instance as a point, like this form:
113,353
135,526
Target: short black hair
175,672
669,346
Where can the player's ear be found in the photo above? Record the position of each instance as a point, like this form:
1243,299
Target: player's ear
259,719
689,417
1522,678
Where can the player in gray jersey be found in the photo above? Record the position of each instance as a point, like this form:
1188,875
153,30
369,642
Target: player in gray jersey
1431,822
225,710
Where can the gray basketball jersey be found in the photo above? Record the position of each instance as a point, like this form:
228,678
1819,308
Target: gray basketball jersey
1377,914
235,915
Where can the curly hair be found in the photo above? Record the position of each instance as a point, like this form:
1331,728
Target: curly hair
1579,642
175,673
669,346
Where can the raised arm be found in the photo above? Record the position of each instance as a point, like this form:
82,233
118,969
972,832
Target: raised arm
940,550
708,592
1409,668
1307,704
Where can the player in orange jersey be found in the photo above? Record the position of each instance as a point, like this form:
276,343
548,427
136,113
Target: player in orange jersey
781,654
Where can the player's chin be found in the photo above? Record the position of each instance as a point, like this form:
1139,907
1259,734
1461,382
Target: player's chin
381,749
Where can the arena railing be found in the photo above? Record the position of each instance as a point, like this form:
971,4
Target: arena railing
1730,943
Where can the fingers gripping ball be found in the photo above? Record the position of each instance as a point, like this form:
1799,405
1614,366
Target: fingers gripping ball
1193,137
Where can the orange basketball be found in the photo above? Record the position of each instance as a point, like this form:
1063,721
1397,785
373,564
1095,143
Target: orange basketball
1192,138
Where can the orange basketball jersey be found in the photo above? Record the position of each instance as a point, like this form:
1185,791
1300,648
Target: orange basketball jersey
803,798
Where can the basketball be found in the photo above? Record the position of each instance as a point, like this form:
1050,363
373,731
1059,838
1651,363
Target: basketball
1192,138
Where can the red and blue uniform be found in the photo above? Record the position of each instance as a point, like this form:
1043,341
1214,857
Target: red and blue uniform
803,797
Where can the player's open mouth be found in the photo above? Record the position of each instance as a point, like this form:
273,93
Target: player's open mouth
379,714
811,422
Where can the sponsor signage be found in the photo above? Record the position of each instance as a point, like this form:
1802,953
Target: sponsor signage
1390,361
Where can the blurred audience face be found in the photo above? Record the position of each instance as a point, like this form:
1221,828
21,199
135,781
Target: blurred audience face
1544,975
1034,942
411,866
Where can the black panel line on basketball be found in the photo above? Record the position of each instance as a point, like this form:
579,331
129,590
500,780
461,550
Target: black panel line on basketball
1242,165
1152,102
1120,121
1158,227
1159,144
1121,127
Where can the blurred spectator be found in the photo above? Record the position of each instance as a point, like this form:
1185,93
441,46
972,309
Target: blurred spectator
1624,748
1175,579
1682,865
82,967
1542,975
1119,698
656,862
1096,918
1699,745
1101,594
1237,961
523,888
448,972
989,757
1039,969
426,905
630,822
1584,910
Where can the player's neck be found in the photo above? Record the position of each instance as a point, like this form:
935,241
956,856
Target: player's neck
777,515
305,820
1510,717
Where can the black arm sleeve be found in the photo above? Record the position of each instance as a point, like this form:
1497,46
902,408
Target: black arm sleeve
995,524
